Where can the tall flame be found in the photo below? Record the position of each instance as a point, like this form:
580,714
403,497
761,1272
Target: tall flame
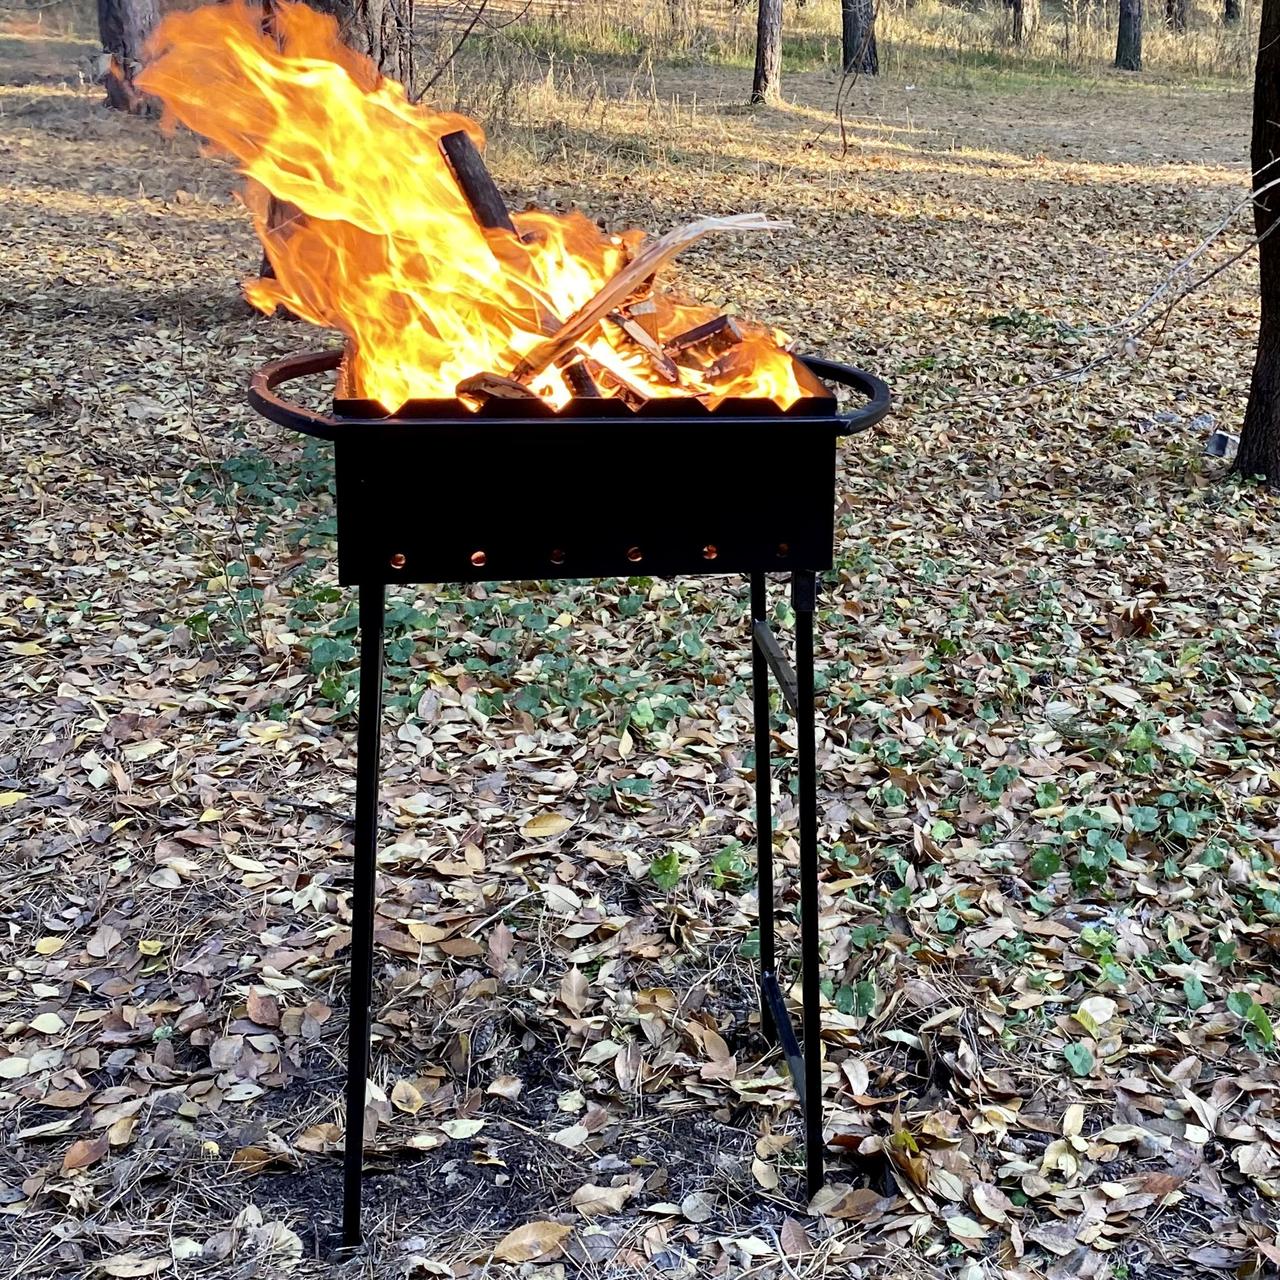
378,242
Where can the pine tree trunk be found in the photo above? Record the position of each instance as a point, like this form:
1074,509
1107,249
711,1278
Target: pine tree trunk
1175,14
380,29
123,27
767,83
1259,452
858,37
1129,38
1231,13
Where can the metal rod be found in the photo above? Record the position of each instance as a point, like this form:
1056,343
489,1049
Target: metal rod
767,642
764,802
803,594
364,873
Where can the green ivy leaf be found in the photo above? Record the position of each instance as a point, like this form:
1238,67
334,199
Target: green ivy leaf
665,871
1240,1002
1194,991
1079,1059
1045,863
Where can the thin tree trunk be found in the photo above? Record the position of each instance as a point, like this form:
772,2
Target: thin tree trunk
1129,38
1259,452
123,26
1175,14
682,17
1231,13
858,37
1019,25
767,83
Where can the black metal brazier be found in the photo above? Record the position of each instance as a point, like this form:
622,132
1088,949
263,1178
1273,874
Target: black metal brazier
515,491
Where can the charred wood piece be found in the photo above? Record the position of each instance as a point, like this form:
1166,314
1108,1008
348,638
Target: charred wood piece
631,396
474,181
480,387
580,381
708,340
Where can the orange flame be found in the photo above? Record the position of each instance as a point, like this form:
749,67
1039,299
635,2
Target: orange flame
383,246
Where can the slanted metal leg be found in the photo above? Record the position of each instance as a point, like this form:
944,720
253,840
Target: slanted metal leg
764,805
364,874
804,588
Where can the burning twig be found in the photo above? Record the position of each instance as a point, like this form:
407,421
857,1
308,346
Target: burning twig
662,363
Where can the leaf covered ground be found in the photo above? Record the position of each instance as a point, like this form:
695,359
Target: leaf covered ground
1048,677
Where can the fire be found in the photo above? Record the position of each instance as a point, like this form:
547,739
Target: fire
378,242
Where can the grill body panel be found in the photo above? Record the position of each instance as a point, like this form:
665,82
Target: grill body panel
498,500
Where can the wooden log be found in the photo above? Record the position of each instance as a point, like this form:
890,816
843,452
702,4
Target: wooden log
580,381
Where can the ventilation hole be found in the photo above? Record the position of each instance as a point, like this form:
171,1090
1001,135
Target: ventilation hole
783,550
397,561
479,559
635,555
557,556
709,552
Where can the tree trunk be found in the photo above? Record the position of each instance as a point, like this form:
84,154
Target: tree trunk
380,29
1175,14
858,37
1259,452
1129,39
1019,21
1231,13
123,27
768,78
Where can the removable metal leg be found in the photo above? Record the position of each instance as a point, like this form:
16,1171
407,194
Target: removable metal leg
804,587
797,691
364,874
764,806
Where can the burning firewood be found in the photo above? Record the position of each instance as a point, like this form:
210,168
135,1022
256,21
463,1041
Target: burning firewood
625,283
492,386
490,210
476,183
711,339
404,244
645,314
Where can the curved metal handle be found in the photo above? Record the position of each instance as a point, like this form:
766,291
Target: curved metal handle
263,398
879,396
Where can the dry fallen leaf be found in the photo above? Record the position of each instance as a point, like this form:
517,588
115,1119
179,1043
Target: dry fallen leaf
405,1097
592,1201
531,1241
85,1152
131,1265
546,825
